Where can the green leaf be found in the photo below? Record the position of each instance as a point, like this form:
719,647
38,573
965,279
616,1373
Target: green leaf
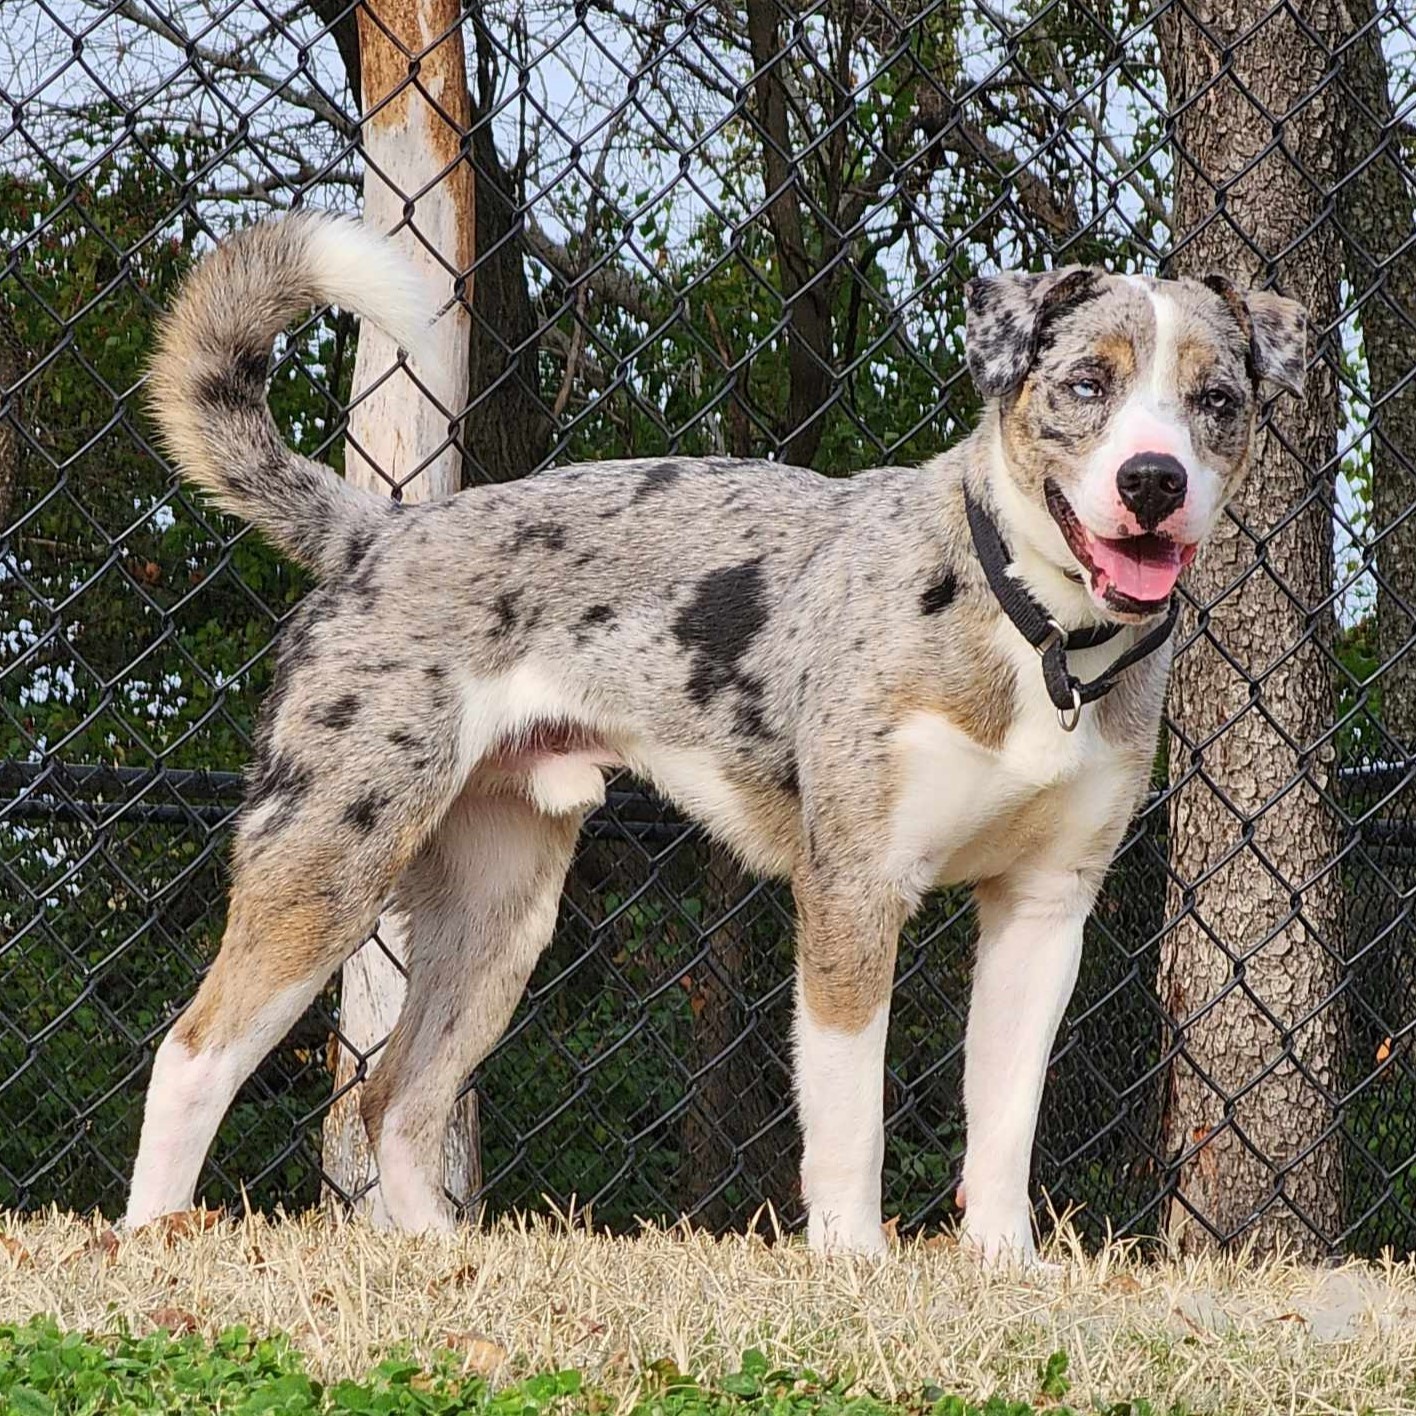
1053,1381
26,1401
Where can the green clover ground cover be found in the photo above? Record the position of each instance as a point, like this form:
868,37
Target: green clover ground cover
47,1372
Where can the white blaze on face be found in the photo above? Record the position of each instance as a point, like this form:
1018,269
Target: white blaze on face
1152,419
1123,558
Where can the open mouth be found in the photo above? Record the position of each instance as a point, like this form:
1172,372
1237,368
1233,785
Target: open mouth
1130,574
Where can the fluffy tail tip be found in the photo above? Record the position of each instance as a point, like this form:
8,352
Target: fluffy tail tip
360,270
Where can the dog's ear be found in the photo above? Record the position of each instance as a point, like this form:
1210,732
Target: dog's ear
1003,315
1277,330
1280,339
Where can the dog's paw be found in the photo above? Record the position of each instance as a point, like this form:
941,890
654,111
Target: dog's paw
844,1233
1004,1248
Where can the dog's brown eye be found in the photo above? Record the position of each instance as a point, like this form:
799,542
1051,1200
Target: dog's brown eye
1087,388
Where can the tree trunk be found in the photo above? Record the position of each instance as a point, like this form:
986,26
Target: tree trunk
12,368
807,280
507,430
414,158
1376,206
1249,969
739,1132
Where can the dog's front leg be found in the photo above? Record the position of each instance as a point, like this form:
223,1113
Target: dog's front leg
848,935
1029,948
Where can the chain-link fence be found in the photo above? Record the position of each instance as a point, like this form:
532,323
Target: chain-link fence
738,230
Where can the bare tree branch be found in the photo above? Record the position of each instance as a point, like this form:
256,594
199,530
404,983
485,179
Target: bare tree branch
635,295
231,62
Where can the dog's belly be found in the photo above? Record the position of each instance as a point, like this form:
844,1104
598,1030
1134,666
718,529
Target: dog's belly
760,825
561,768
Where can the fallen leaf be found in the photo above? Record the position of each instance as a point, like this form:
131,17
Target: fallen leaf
1384,1051
175,1320
458,1278
17,1251
105,1242
942,1240
892,1229
479,1354
1290,1318
960,1202
186,1223
1123,1283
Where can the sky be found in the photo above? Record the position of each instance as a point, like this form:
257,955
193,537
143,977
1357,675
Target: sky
562,88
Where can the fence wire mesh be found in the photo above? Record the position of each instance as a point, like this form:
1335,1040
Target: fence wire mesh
734,230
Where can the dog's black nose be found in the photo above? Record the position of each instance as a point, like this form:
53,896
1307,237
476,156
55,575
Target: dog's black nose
1152,485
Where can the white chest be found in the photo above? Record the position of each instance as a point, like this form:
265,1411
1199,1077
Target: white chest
966,812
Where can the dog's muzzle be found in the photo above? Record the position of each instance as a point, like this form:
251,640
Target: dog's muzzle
1151,486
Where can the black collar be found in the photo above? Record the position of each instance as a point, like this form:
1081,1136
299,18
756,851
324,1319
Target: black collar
1051,641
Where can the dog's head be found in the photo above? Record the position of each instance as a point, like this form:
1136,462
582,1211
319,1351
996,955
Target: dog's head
1126,410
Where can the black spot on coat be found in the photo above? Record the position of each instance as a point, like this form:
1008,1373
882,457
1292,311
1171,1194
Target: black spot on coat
504,607
719,624
1069,294
338,715
355,548
283,781
939,594
658,478
363,814
237,385
550,534
279,775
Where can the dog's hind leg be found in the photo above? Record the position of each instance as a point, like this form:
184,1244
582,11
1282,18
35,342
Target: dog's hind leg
847,938
481,900
316,855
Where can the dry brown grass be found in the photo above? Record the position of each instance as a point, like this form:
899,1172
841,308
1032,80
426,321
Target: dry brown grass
1229,1335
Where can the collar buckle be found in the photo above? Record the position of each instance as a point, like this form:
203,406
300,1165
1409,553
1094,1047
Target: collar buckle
1056,637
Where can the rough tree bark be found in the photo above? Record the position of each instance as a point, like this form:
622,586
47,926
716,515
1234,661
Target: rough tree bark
507,431
1377,219
415,168
806,280
1249,966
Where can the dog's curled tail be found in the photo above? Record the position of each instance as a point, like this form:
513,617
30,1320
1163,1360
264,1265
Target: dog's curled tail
208,377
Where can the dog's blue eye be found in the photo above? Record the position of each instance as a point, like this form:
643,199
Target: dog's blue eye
1218,400
1087,388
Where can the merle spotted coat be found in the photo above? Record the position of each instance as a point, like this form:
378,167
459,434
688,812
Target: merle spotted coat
814,668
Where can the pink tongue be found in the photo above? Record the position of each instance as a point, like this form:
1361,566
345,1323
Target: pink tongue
1142,569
